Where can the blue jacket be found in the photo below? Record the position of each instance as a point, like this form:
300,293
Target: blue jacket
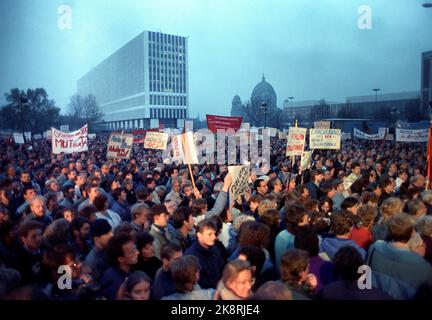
331,245
313,190
284,241
212,264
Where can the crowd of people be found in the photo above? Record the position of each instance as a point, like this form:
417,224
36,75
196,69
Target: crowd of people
81,227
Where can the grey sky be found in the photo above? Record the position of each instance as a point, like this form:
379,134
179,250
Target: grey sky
308,49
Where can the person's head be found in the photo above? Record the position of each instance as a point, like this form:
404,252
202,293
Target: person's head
316,176
88,212
303,191
187,189
31,234
137,286
305,239
275,185
101,232
403,174
66,213
206,233
416,208
378,167
52,185
25,177
417,245
29,193
390,207
81,179
175,185
100,202
119,195
182,218
387,185
369,198
170,252
356,168
92,191
69,192
255,201
37,206
185,273
272,290
170,206
326,204
271,218
341,223
266,205
418,181
367,214
198,206
351,204
294,266
296,215
122,251
260,186
347,260
80,228
139,213
159,215
255,255
115,184
254,233
424,226
238,277
400,228
144,241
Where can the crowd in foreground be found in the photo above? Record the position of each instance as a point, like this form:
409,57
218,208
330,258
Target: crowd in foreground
81,227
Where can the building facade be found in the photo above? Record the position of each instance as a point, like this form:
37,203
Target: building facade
143,84
426,80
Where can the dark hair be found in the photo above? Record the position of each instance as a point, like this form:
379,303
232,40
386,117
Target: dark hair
183,272
341,222
27,188
293,216
180,215
67,188
307,240
255,233
217,220
205,224
368,196
271,217
293,263
135,278
77,223
157,210
255,255
87,211
349,203
142,193
347,261
115,247
168,250
400,227
28,226
100,201
272,182
257,183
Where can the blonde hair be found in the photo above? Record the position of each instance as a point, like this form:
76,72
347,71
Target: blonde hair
390,207
266,205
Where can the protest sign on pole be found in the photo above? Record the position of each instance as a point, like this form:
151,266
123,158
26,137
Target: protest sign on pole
28,135
361,135
120,146
18,138
156,140
325,139
69,142
346,136
189,150
306,159
322,124
37,136
406,135
240,181
296,141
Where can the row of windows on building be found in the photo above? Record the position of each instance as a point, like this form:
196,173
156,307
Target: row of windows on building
167,82
166,38
167,100
162,113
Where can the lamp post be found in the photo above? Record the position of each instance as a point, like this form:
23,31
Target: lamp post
291,117
376,97
264,109
23,100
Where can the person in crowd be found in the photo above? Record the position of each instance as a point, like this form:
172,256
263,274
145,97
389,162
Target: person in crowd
137,286
147,260
237,281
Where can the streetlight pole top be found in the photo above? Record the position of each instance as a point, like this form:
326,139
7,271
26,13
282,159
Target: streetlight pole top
427,5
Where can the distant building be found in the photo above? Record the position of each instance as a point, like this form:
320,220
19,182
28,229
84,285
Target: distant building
143,83
252,111
426,80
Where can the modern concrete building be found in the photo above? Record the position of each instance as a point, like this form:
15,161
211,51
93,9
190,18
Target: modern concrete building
142,84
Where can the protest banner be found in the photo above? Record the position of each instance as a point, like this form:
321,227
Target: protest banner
69,142
92,135
296,141
325,139
361,135
37,136
406,135
18,138
345,136
189,149
215,123
27,135
306,159
177,147
240,181
156,140
119,146
322,124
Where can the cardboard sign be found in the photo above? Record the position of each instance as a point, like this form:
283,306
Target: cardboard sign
156,140
306,159
92,135
240,181
28,135
18,138
361,135
346,136
405,135
37,136
215,123
325,139
296,141
189,149
120,146
69,142
322,124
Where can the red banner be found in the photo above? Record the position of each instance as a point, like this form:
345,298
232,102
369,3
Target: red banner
215,123
143,131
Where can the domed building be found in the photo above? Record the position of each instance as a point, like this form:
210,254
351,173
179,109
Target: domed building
263,93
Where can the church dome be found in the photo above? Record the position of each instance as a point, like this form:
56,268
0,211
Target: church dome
264,91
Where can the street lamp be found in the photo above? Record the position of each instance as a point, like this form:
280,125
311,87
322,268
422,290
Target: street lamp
376,97
292,118
23,101
264,109
395,113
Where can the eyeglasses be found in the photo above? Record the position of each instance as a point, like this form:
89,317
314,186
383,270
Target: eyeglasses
242,283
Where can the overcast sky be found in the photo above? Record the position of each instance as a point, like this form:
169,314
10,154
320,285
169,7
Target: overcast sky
307,49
